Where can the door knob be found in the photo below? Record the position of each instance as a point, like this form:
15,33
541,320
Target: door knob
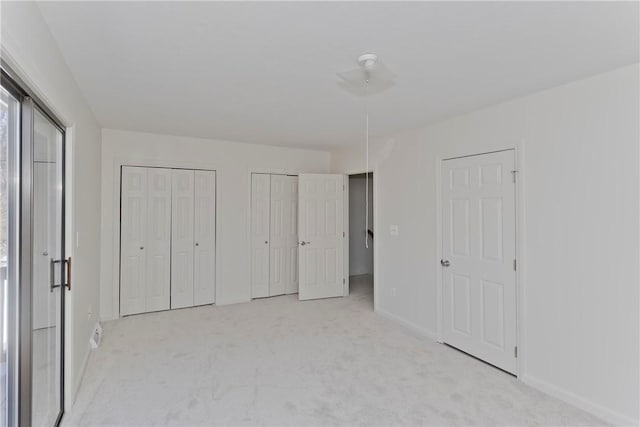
266,242
445,263
197,244
304,243
141,247
45,253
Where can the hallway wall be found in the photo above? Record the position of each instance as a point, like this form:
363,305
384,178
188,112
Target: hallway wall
360,257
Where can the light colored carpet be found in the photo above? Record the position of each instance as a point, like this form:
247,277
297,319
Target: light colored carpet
278,361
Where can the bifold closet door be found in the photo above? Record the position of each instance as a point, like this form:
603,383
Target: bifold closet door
260,212
145,240
283,241
158,247
182,243
205,237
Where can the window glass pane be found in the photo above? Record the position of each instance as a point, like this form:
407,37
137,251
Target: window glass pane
9,140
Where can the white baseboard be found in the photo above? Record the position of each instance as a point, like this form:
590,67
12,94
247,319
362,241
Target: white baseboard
78,380
600,411
233,301
409,325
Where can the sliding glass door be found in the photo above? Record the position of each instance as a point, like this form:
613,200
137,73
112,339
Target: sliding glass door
47,272
33,269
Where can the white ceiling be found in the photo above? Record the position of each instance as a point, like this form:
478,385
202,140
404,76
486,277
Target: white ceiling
266,72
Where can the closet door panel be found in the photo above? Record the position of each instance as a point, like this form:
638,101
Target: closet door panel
277,255
133,240
291,235
205,238
182,243
260,212
283,235
158,249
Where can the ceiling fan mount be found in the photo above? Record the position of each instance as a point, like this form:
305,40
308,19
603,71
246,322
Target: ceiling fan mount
370,77
368,61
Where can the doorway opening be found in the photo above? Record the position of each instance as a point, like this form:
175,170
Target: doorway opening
361,236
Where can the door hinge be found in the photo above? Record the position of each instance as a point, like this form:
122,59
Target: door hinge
513,175
515,265
343,235
515,352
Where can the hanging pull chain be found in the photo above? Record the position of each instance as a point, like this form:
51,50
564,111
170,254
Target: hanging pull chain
366,197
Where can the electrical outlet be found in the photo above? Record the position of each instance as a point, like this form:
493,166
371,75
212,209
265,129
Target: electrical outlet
393,230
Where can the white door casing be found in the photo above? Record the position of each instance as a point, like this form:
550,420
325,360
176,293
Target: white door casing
478,245
204,236
132,240
321,236
158,239
260,213
283,241
182,243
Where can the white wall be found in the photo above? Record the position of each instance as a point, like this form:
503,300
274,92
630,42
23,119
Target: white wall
233,163
30,50
360,257
578,149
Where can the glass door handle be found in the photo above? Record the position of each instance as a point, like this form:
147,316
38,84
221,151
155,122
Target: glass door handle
68,261
52,274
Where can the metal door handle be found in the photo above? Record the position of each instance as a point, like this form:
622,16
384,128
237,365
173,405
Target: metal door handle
69,273
304,243
197,244
141,247
52,274
445,263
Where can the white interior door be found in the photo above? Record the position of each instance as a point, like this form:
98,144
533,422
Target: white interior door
479,280
204,290
283,232
158,240
133,264
182,244
260,212
321,234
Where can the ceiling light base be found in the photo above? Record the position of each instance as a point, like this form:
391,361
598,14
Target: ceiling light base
368,60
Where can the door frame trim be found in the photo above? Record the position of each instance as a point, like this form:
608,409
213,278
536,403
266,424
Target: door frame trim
518,149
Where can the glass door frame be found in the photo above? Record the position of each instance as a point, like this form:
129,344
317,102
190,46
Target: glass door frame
20,369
